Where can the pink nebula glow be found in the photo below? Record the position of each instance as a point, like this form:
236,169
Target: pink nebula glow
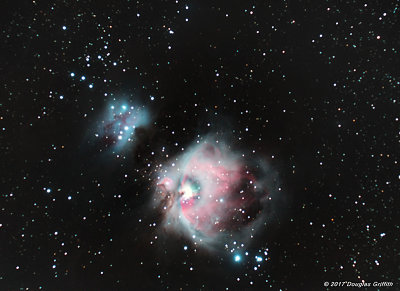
211,191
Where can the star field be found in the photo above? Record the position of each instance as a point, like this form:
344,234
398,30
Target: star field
100,101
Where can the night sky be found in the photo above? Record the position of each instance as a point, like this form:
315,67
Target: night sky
199,145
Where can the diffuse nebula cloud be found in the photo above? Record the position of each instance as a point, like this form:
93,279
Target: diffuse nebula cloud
211,194
120,123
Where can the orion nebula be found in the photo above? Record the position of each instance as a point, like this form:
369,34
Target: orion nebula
212,193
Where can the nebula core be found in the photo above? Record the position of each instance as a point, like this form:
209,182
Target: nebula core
211,192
